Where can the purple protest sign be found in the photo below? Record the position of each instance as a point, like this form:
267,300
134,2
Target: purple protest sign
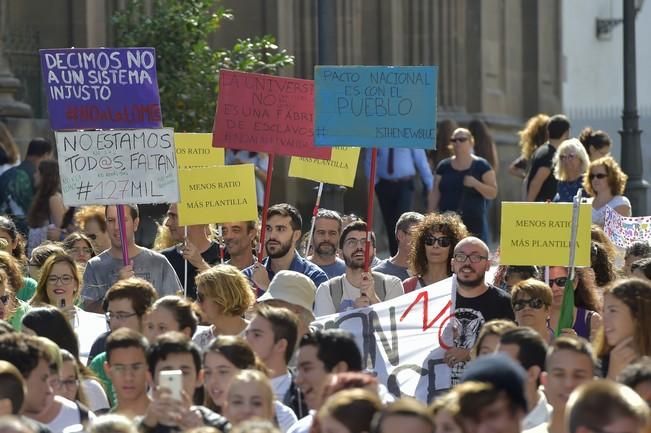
101,88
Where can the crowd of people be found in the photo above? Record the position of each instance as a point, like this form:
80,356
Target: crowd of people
198,335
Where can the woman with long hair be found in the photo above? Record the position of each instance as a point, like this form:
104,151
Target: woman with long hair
223,295
249,396
587,305
79,247
570,166
484,143
464,184
222,360
625,336
606,182
532,137
47,207
433,241
77,383
13,309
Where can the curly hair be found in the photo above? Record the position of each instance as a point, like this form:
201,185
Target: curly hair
50,184
90,213
568,147
11,266
7,225
616,177
533,135
448,223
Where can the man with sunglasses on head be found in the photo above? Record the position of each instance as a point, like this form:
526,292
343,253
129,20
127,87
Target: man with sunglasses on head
356,288
476,301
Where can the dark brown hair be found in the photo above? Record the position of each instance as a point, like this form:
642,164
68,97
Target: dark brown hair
449,224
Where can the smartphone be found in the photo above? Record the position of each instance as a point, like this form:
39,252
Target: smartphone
62,303
173,381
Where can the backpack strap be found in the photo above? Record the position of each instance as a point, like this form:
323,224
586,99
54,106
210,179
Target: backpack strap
380,286
83,413
336,287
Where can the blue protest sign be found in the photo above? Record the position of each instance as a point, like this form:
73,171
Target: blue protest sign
101,88
375,106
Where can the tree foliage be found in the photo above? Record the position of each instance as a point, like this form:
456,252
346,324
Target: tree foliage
187,67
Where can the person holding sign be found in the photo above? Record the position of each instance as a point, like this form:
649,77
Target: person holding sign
107,268
464,184
356,288
283,231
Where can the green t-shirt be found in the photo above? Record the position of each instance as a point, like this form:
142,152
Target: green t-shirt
27,291
16,319
97,367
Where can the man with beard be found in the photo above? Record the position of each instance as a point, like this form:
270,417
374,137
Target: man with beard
239,238
355,288
476,302
283,230
325,238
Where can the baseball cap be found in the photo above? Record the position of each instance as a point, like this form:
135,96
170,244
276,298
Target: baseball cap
292,287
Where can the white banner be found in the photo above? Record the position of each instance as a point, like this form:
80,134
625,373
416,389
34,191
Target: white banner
623,231
118,166
404,339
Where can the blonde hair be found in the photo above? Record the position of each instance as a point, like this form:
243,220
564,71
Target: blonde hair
163,237
40,295
534,288
534,134
227,287
258,378
570,146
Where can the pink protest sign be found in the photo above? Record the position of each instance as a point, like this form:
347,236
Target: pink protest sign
263,113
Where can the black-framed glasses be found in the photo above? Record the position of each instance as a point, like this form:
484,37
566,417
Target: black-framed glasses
4,299
597,175
560,281
63,279
535,303
120,315
474,258
443,241
458,139
78,250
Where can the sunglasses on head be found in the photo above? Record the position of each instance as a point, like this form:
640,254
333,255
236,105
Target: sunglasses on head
443,241
535,303
559,282
598,176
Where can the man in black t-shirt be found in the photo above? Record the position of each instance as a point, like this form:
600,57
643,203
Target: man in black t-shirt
476,302
541,183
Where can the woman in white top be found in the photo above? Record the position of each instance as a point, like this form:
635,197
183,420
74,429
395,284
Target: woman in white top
606,182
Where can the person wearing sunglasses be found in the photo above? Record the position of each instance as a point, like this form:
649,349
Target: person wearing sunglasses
464,184
434,239
570,166
91,220
606,183
586,319
532,300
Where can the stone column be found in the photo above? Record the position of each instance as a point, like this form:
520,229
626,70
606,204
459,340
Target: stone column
9,84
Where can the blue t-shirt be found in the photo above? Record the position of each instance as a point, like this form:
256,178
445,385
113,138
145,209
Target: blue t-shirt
299,264
335,269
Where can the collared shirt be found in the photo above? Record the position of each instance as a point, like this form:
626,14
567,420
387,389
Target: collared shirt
405,163
298,264
540,414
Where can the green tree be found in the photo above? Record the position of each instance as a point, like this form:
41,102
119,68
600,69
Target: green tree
187,67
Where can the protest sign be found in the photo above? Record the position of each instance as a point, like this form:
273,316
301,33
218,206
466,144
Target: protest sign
539,234
376,106
101,88
195,150
340,169
263,113
404,339
117,166
624,231
217,195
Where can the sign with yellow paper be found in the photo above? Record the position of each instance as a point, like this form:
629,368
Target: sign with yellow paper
340,169
195,150
217,194
539,234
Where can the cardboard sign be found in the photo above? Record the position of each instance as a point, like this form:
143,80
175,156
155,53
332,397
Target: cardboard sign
217,195
376,106
624,231
101,88
340,169
263,113
195,150
539,234
118,166
404,339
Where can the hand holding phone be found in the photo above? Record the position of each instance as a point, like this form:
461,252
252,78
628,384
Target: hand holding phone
172,380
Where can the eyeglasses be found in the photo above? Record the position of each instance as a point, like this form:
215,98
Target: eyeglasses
64,279
535,303
560,281
81,250
567,156
119,315
597,175
443,241
474,258
458,139
352,242
68,383
4,299
122,369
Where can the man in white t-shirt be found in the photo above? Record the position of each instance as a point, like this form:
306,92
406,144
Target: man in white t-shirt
272,335
356,288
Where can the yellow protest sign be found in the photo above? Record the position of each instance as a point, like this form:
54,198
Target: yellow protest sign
217,194
539,234
340,169
195,150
